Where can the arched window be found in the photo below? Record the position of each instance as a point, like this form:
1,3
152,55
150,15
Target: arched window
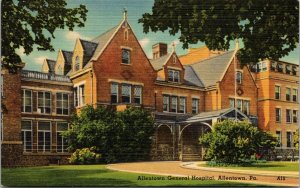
239,76
126,34
77,64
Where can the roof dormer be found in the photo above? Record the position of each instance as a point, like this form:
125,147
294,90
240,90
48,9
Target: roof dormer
48,66
77,57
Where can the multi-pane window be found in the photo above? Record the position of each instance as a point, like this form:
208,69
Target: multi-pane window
242,105
294,70
126,93
26,135
61,142
79,95
173,104
295,116
114,90
26,100
288,116
173,76
278,114
278,135
258,67
288,139
273,66
295,95
239,77
277,92
195,106
77,64
44,102
62,103
288,69
264,66
138,94
182,104
239,104
279,67
166,103
245,109
231,103
288,94
44,136
125,56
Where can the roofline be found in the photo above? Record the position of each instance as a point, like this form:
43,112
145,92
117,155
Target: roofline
228,64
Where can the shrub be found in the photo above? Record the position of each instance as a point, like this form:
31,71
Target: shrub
85,156
232,142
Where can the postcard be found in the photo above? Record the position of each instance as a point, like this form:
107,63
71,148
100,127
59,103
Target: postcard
130,93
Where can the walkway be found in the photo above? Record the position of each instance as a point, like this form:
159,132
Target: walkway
177,168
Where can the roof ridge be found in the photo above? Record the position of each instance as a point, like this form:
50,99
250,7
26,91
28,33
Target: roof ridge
107,31
87,41
211,57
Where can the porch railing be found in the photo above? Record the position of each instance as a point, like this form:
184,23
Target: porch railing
44,76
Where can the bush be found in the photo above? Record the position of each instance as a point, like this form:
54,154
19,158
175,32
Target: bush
85,156
232,142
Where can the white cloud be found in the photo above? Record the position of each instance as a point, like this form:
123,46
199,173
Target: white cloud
20,51
40,60
73,35
144,42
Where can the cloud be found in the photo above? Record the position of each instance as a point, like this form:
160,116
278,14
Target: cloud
20,51
40,60
73,35
144,42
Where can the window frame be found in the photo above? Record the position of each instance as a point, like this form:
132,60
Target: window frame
44,136
23,132
278,115
171,75
176,103
43,107
77,64
279,92
79,95
288,94
239,77
62,104
195,109
23,107
114,94
135,97
122,95
289,139
184,105
63,150
280,67
294,95
128,58
288,117
167,97
279,139
295,116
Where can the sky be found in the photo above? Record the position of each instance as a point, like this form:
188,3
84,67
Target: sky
103,15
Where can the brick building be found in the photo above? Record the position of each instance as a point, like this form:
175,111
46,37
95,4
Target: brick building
112,69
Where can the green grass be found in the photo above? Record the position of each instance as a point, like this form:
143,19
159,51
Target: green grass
91,175
268,166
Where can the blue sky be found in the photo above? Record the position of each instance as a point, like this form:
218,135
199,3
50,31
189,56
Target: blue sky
103,15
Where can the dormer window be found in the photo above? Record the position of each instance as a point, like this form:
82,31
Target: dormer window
173,76
77,64
125,56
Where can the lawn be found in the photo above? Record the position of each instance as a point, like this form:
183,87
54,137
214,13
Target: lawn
268,166
91,175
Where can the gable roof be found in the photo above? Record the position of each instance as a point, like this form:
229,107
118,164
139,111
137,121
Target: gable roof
160,62
191,77
88,50
211,70
51,65
68,57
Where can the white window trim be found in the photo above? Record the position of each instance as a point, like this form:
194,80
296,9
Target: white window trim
184,108
197,106
62,107
280,115
44,101
57,138
117,90
31,132
176,104
44,131
168,105
129,92
140,95
23,104
291,116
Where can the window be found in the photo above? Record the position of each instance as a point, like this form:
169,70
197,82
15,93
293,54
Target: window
138,94
125,56
173,76
114,89
295,95
288,139
166,103
273,66
26,100
61,142
239,76
264,66
79,95
59,70
278,135
259,67
295,116
126,93
288,69
239,104
242,105
245,108
231,102
126,34
174,104
288,116
44,136
278,114
195,106
279,67
294,70
182,104
77,64
44,102
62,103
277,92
26,135
288,94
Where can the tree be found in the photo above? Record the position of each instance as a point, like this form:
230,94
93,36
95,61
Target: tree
118,136
296,139
33,23
268,29
235,142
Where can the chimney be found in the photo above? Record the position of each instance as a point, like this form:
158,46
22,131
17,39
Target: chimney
159,50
